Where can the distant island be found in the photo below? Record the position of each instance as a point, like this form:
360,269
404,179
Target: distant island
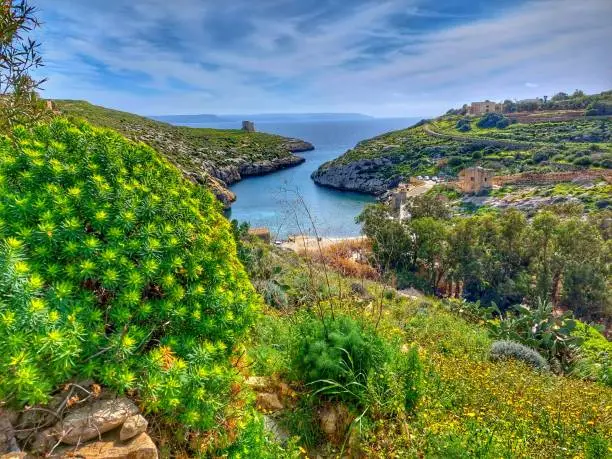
260,117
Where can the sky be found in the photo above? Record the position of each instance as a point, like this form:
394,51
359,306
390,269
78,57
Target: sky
385,58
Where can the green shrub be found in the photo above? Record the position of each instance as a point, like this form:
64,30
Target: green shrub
493,120
336,349
113,267
345,359
463,125
503,350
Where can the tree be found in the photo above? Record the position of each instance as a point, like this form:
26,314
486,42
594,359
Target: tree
19,102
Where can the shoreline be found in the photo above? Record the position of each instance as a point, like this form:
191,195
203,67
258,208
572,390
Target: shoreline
312,244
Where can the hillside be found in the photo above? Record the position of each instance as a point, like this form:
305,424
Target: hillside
214,157
445,145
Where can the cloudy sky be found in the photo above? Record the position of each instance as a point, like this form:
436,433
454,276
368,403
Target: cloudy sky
379,57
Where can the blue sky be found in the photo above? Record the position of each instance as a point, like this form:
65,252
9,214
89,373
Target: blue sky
379,57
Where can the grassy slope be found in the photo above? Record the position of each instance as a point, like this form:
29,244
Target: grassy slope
470,406
414,152
184,145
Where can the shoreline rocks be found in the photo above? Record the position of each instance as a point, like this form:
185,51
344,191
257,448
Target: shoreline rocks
364,176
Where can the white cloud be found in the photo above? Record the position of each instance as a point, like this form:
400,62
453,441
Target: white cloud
561,44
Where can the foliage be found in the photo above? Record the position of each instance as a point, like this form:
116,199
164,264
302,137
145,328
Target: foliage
464,125
493,120
500,258
113,267
19,103
595,353
504,350
540,329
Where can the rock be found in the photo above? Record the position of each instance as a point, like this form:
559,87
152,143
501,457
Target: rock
39,418
90,421
334,420
365,176
43,441
133,426
15,455
259,383
8,443
111,447
268,402
279,434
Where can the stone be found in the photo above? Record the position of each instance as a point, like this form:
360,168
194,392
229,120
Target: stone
278,433
43,441
258,383
15,455
111,447
8,443
133,426
268,402
91,421
334,420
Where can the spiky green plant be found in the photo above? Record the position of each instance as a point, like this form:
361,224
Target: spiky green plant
112,266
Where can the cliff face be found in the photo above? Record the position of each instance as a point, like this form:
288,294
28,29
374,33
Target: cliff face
365,176
212,157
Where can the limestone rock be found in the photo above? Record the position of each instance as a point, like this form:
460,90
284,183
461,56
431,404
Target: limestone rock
43,441
268,402
7,436
133,426
15,455
90,421
334,420
278,433
111,447
365,176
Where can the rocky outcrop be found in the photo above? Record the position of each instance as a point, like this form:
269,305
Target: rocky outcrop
298,145
91,427
91,421
365,176
110,446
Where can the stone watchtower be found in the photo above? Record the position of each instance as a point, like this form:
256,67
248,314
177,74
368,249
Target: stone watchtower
248,126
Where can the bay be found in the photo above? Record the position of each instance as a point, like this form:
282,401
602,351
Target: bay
288,201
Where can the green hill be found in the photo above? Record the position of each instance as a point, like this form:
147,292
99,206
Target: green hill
447,144
214,157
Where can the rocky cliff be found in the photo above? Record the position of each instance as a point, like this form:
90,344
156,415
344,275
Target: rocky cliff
365,176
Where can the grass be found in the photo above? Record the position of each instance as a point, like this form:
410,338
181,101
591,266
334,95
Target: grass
469,406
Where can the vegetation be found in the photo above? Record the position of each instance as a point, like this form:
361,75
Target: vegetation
467,405
113,267
445,145
498,258
19,102
504,350
185,146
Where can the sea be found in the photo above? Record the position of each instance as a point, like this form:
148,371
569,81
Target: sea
288,201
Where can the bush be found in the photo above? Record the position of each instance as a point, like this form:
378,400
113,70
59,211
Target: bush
503,350
493,120
583,161
113,267
463,125
345,359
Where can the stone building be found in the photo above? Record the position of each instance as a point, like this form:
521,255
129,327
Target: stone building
481,108
248,126
475,179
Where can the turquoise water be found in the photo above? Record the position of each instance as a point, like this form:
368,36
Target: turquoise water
282,200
